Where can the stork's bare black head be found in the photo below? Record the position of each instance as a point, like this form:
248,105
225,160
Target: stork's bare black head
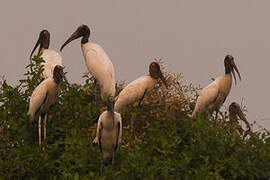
230,66
82,31
155,72
235,109
58,74
110,105
43,41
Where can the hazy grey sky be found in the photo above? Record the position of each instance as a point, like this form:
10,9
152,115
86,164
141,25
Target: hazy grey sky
192,37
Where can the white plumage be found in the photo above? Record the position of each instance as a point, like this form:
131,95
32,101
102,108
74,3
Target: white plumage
43,97
108,137
101,67
137,89
213,96
97,62
51,58
134,91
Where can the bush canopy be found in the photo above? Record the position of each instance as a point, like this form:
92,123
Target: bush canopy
169,144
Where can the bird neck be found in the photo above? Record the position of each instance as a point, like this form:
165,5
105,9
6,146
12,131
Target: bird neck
85,37
233,117
43,49
228,69
45,43
153,77
57,79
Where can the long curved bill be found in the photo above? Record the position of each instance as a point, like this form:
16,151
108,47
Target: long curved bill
242,117
37,43
74,36
163,79
64,76
236,69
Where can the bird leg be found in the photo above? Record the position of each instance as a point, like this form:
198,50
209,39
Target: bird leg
96,89
113,157
101,164
132,125
140,101
45,125
100,148
39,129
216,115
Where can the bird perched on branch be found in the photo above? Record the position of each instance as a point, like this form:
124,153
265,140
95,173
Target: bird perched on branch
51,57
214,95
235,112
137,89
43,97
109,133
97,62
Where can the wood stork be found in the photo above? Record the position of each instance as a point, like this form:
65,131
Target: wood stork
234,111
43,97
214,95
97,62
136,90
109,133
51,57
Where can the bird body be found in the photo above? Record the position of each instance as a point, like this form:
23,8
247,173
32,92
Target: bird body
108,137
44,95
214,95
134,91
51,58
109,133
97,62
101,67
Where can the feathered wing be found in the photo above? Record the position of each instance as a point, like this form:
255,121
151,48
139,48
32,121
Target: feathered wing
37,99
95,141
119,120
133,92
207,99
101,67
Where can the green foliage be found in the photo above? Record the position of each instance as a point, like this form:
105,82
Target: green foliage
169,146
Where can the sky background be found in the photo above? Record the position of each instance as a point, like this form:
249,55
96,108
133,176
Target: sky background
192,37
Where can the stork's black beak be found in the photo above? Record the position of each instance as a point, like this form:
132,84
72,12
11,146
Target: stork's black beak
64,76
74,36
242,117
162,78
234,67
37,43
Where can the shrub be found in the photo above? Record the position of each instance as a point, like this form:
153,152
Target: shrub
169,146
